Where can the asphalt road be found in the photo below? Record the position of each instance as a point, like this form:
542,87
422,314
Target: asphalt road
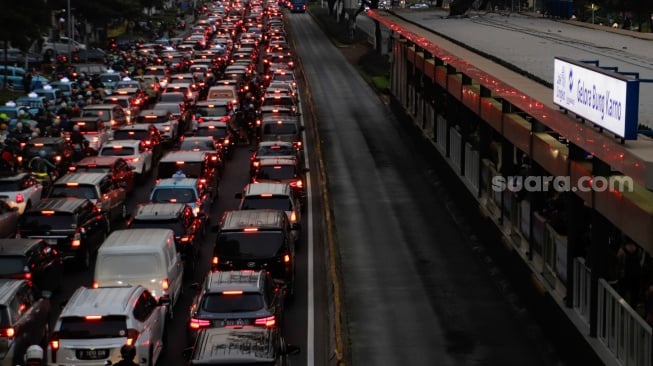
415,291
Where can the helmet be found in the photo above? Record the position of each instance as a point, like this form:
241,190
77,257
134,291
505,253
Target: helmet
3,116
34,352
19,125
86,143
128,352
3,126
43,153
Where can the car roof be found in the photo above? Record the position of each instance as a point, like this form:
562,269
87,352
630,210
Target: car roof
278,161
256,189
136,126
156,112
100,106
240,345
260,218
176,182
130,143
101,301
9,176
158,211
67,204
81,178
98,161
245,280
45,140
181,155
136,241
13,246
273,143
8,288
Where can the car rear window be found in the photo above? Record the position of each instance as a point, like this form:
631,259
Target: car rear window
103,114
232,303
197,145
78,191
117,151
249,245
213,131
168,169
92,169
174,225
216,111
272,202
280,128
130,134
76,327
281,101
33,150
275,150
123,265
179,195
46,221
10,265
10,186
151,118
276,172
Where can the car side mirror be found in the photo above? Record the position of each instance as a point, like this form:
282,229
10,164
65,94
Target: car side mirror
238,195
291,349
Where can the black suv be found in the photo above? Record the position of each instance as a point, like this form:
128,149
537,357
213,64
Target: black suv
24,317
179,217
74,225
236,298
31,259
256,240
260,346
57,150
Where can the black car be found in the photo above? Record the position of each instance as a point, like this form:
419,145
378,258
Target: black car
236,298
74,225
179,217
256,240
247,345
57,150
31,259
24,319
221,134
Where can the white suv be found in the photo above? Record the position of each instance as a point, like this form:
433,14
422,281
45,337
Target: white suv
95,323
136,155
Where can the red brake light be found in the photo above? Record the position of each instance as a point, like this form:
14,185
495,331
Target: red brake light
54,346
8,332
232,292
20,198
214,261
165,284
96,284
132,336
199,323
268,322
286,258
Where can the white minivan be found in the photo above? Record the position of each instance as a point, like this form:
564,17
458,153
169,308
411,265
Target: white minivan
146,257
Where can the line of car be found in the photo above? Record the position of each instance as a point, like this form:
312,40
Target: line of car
140,271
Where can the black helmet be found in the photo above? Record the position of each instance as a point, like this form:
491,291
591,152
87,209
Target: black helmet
128,352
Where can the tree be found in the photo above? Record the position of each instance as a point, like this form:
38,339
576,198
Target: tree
22,25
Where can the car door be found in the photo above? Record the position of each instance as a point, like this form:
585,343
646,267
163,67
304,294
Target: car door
151,319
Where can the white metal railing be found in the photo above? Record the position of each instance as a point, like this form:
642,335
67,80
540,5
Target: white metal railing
582,289
441,136
472,161
621,329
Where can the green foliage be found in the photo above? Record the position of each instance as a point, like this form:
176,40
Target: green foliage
22,22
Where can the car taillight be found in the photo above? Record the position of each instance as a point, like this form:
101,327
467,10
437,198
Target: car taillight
286,258
20,159
20,198
132,336
215,261
165,284
199,323
8,332
54,346
269,321
77,239
298,183
293,216
23,276
57,158
96,284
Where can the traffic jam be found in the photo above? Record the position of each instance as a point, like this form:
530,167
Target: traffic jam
173,112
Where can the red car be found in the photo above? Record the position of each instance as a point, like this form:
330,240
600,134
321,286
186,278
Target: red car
121,173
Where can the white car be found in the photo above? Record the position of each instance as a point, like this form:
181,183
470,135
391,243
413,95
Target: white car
96,322
136,155
20,190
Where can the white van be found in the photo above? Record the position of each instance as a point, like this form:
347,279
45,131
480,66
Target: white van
223,93
146,257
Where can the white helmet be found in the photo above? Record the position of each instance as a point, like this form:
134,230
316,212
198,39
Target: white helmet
34,352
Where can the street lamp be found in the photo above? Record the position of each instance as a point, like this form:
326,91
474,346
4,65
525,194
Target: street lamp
592,13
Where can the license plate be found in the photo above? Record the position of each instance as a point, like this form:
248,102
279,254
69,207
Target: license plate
92,354
234,322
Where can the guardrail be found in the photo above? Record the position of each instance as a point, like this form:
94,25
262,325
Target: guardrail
582,288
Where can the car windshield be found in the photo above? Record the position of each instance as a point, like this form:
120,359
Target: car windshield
33,149
173,108
179,195
42,221
77,327
78,191
215,111
276,150
174,225
110,78
272,202
280,128
10,265
131,134
172,97
213,131
117,151
260,244
232,303
276,172
278,101
102,114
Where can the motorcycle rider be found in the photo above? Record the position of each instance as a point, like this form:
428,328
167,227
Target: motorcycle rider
87,150
128,353
34,356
